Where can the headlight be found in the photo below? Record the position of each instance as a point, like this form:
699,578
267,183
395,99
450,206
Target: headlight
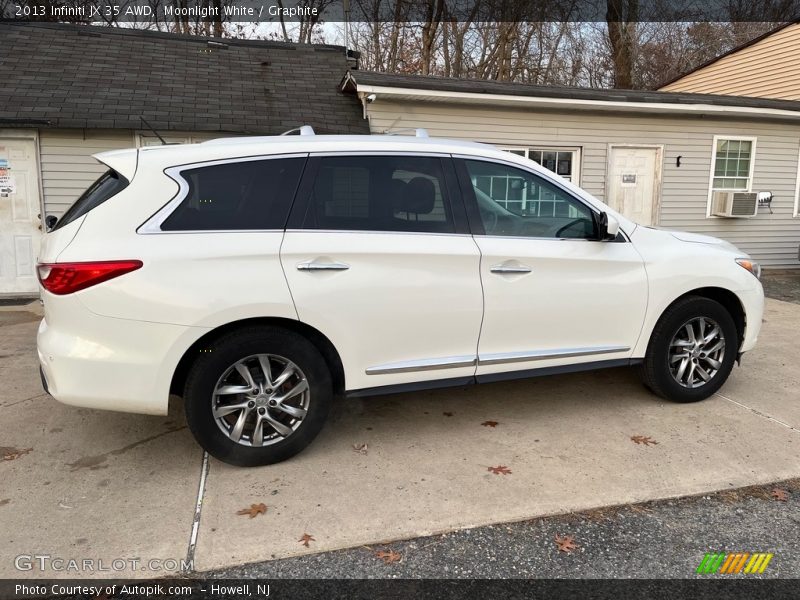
750,265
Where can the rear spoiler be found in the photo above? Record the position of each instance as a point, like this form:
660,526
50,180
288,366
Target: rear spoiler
123,162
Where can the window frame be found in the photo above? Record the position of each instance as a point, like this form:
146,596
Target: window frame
450,193
577,152
711,176
473,212
153,223
796,210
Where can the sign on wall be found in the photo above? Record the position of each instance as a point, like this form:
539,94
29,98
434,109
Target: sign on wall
7,186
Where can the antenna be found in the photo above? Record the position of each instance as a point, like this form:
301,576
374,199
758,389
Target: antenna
150,127
304,130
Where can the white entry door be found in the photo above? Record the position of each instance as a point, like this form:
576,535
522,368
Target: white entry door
633,183
19,222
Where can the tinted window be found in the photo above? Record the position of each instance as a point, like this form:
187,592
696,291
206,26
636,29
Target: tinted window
379,193
513,202
110,184
254,194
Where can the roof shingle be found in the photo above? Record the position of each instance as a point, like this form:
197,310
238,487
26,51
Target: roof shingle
91,76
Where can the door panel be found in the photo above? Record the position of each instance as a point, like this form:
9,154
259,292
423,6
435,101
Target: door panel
402,300
633,183
576,301
19,224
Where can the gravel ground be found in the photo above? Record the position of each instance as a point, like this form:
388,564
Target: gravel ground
665,539
782,285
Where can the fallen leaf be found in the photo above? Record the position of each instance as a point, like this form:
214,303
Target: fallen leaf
14,453
255,509
489,423
565,544
500,470
306,538
780,495
389,556
447,414
643,439
360,448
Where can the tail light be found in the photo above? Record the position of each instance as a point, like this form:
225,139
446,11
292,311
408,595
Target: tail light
67,278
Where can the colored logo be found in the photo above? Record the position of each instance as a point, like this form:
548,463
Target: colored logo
727,563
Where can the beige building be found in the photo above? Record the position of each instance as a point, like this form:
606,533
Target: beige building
766,67
680,161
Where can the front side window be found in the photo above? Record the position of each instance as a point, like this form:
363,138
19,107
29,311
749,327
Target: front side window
379,193
513,202
254,195
733,161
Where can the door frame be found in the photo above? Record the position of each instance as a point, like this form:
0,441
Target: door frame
657,176
31,135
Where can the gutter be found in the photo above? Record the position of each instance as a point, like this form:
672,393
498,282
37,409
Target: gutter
568,103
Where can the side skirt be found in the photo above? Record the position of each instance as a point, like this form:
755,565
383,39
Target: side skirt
490,378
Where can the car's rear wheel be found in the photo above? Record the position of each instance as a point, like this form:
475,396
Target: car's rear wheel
257,396
691,351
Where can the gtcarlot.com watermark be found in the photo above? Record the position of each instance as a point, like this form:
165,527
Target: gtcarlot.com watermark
48,563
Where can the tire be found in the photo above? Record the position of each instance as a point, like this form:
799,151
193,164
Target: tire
661,368
217,369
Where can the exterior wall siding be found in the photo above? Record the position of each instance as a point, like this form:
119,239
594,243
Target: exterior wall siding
770,238
767,69
67,165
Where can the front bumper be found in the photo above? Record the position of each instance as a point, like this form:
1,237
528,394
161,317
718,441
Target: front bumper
753,303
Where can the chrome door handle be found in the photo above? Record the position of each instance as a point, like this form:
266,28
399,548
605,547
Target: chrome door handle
311,265
509,269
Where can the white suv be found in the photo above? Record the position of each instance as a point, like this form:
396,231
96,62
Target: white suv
260,278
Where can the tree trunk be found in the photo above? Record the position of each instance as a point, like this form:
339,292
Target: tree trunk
621,16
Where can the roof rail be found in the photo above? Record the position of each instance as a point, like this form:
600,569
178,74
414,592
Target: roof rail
418,131
304,130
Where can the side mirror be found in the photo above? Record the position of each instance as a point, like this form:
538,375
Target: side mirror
607,227
50,221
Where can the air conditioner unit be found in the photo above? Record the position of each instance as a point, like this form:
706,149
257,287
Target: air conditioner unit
734,204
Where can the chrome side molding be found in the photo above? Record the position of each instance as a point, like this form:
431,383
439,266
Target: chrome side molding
451,362
425,364
512,357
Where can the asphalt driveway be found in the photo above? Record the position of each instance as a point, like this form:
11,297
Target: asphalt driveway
89,484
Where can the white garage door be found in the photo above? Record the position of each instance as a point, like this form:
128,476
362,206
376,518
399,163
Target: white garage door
19,222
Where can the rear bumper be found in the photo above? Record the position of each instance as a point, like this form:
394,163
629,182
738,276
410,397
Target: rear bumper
106,363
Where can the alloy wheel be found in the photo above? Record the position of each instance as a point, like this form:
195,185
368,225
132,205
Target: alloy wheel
261,400
696,352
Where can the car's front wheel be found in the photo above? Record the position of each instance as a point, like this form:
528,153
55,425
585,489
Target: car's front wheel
257,396
691,351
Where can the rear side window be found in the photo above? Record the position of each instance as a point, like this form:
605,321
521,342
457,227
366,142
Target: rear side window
255,194
110,184
380,193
